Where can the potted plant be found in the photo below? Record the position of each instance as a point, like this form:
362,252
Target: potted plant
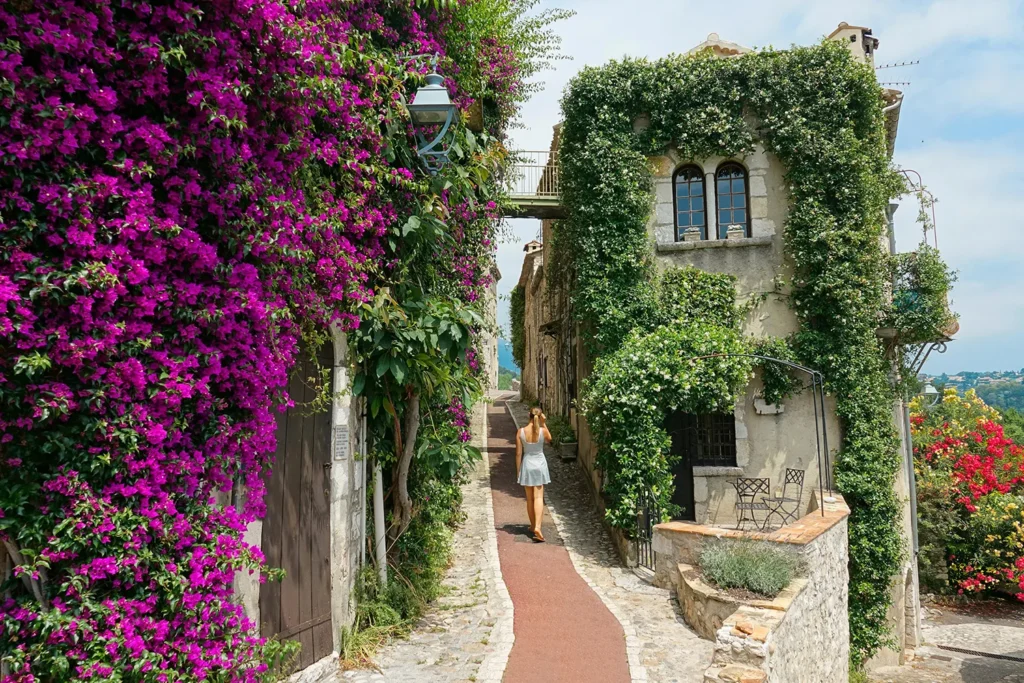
735,232
563,439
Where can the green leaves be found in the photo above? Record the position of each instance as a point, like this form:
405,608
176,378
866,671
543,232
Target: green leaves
633,390
919,310
383,365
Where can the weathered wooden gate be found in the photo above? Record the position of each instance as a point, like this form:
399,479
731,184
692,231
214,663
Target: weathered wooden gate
296,529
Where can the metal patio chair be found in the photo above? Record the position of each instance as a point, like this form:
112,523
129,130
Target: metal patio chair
747,491
787,505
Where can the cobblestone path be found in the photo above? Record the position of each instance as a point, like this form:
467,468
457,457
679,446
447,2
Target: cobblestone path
660,647
467,634
563,631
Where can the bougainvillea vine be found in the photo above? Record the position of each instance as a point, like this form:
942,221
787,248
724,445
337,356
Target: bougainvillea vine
188,191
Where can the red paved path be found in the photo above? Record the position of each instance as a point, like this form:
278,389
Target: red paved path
564,633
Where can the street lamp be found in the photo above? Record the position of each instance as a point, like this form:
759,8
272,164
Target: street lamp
431,106
930,395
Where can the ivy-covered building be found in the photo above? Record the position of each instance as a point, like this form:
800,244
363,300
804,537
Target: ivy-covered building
765,170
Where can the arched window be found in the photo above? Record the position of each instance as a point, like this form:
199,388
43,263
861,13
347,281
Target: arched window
731,191
691,209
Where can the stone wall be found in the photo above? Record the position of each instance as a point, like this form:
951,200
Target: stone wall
813,641
540,351
800,635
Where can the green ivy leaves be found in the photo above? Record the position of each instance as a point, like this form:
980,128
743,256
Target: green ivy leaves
650,375
820,113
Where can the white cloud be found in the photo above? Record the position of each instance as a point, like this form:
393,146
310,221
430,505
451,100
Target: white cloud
977,83
953,23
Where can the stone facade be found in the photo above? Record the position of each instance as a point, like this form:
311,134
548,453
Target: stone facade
540,358
768,439
489,338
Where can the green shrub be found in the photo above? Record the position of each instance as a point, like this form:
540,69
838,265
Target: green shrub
561,431
756,567
518,316
858,675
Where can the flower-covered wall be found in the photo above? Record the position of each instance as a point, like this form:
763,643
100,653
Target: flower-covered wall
190,193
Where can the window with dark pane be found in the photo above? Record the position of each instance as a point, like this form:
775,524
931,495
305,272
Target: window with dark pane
731,191
690,201
711,439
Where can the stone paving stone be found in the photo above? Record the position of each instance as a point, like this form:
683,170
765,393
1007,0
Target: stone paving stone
932,664
659,645
467,634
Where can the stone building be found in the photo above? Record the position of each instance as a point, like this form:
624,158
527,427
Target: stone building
540,358
723,215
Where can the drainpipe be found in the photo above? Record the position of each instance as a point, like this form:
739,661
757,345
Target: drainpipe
908,444
910,474
379,546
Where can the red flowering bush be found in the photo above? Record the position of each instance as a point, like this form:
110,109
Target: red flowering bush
971,497
187,189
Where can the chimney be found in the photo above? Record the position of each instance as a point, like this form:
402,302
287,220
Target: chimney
533,246
858,40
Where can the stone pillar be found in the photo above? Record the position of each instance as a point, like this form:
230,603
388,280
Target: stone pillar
711,191
347,498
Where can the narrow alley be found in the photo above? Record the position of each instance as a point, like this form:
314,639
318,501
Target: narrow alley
563,630
520,612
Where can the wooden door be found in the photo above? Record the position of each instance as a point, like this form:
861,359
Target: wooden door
296,529
683,430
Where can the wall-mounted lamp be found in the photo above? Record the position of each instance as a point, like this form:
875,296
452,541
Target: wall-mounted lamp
431,106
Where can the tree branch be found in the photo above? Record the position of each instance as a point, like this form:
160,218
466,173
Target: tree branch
30,582
403,503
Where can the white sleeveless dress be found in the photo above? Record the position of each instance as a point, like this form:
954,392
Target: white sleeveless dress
534,470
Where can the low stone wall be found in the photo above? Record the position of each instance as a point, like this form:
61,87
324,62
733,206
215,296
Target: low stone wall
801,635
706,608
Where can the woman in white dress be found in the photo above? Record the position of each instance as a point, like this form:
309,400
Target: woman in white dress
532,467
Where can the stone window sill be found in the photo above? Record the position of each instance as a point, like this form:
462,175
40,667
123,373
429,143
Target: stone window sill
762,241
718,471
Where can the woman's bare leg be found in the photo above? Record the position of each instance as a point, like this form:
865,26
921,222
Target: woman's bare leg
530,495
537,518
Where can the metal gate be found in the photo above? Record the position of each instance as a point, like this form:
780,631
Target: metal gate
647,515
296,529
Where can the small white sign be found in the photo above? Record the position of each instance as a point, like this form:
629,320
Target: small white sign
341,442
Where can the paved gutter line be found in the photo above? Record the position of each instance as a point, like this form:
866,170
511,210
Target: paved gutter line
637,671
492,669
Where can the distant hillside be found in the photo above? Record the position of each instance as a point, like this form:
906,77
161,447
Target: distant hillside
505,356
1002,390
962,381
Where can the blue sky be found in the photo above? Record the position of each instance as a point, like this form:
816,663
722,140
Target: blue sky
961,127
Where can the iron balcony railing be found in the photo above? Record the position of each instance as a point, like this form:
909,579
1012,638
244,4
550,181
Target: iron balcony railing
534,175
